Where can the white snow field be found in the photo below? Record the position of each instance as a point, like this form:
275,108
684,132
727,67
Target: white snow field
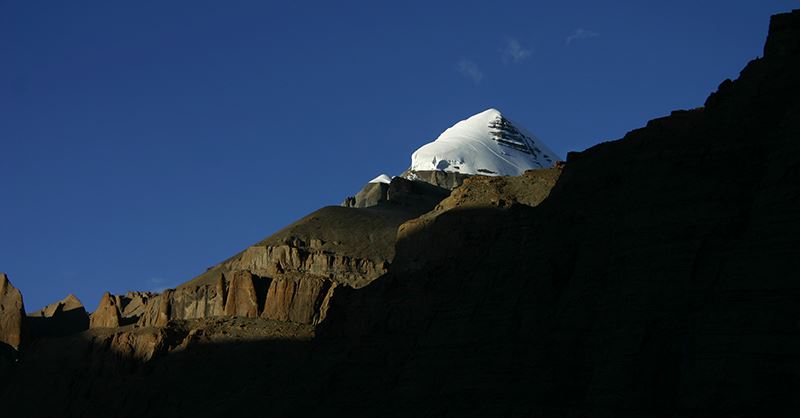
383,178
486,143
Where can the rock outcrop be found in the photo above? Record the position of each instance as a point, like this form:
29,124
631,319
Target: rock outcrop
242,299
203,301
69,303
296,257
371,195
107,314
298,301
401,191
158,310
13,328
296,271
132,305
67,316
441,179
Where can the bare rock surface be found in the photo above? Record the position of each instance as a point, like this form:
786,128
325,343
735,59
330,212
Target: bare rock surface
158,309
71,302
443,179
132,305
400,192
13,328
297,300
107,314
242,299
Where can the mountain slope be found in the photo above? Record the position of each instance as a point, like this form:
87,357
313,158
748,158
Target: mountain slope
293,274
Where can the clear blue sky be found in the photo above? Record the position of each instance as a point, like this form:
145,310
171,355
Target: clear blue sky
144,141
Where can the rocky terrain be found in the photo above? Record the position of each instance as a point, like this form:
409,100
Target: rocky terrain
651,276
13,326
64,317
293,274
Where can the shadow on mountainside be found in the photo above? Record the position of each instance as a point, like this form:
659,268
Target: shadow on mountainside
62,323
503,322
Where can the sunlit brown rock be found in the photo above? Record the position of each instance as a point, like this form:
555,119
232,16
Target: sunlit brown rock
13,328
107,314
298,300
242,299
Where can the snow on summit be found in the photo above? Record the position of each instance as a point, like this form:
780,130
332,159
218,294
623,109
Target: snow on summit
487,143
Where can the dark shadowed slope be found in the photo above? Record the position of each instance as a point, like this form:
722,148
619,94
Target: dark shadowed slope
658,279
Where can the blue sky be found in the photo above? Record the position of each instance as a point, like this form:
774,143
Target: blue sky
142,142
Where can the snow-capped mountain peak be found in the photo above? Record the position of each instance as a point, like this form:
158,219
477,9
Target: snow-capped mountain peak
487,143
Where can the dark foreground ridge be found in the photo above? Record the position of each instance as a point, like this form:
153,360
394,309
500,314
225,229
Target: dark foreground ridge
657,278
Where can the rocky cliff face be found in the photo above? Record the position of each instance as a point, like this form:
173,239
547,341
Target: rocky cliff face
67,316
443,179
408,190
107,314
294,298
299,301
295,272
69,303
132,305
242,299
296,257
13,328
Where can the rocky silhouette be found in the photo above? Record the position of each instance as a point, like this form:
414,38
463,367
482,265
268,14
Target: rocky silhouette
67,316
651,276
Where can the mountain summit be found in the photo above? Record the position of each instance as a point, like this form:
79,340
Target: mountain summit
487,143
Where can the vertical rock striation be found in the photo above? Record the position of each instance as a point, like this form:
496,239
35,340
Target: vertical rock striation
242,299
297,300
